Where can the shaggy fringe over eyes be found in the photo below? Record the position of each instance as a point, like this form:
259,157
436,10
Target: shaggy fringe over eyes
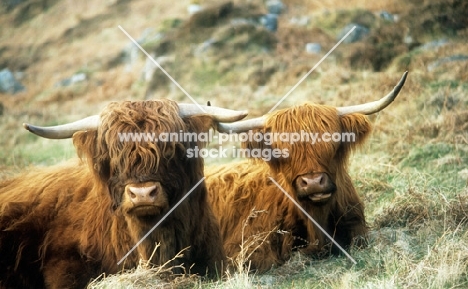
105,149
138,117
106,153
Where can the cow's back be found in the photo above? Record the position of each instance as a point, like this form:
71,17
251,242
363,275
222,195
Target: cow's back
251,210
33,209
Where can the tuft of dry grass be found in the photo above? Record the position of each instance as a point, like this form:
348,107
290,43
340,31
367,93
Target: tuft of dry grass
239,275
147,275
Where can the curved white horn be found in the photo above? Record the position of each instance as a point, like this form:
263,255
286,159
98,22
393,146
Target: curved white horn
93,122
64,130
219,114
243,125
375,106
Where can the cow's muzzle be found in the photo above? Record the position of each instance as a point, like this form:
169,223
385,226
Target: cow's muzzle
317,187
145,199
145,194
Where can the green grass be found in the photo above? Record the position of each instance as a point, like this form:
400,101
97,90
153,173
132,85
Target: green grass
451,83
41,152
334,21
438,161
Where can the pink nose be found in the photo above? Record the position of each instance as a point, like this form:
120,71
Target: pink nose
314,183
145,194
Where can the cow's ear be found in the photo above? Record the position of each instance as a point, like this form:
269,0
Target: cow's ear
357,128
199,123
85,144
89,150
251,144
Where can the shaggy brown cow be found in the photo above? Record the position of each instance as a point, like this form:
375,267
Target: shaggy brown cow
62,226
315,175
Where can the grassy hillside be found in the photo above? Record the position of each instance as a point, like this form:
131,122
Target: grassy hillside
412,173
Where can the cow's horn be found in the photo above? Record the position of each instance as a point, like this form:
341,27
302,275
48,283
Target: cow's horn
92,122
375,106
366,108
242,126
65,130
219,114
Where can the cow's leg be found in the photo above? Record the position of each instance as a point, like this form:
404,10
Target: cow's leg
208,249
350,225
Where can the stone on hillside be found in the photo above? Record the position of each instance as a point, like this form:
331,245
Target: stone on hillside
194,8
313,48
270,21
211,16
385,15
75,78
358,33
300,21
274,6
434,44
202,48
8,82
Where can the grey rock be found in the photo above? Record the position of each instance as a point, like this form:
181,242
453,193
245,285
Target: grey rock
408,39
270,21
8,82
313,48
75,78
300,20
358,33
434,44
385,15
274,6
202,48
194,8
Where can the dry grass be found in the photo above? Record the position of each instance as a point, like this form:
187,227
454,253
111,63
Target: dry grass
237,275
393,6
147,275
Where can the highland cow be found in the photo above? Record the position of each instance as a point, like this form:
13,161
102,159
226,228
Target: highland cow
64,225
259,224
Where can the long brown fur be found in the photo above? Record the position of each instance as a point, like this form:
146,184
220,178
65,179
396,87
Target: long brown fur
237,189
62,226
